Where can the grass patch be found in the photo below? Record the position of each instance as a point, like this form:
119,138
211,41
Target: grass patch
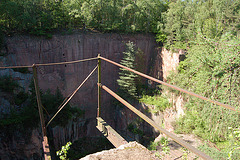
160,103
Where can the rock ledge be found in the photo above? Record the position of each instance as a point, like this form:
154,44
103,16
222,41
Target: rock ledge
130,151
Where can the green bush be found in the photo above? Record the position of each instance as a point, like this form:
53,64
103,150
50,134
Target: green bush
20,97
21,70
134,129
8,84
64,151
211,69
153,146
27,116
164,144
191,122
51,102
213,152
160,103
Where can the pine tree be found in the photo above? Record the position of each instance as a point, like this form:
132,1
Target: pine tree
126,79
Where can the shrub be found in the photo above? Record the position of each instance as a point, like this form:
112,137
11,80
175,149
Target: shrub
20,97
64,151
21,70
153,146
7,84
160,103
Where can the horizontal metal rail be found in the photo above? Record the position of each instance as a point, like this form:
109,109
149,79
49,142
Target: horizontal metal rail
51,64
171,86
69,62
155,125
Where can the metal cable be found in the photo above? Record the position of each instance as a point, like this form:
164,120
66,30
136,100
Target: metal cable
16,67
69,62
71,96
45,110
65,99
50,64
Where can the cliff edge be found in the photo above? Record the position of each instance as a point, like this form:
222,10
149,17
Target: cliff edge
130,151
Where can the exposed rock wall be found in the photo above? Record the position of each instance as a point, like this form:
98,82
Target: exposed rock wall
21,146
164,63
25,50
170,62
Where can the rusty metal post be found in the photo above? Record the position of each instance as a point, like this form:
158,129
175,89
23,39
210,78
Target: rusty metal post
44,131
99,88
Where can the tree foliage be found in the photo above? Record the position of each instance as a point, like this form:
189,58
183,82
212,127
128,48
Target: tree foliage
41,17
211,69
208,30
212,18
209,33
24,114
127,79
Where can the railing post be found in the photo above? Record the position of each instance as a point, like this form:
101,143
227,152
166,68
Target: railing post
44,131
99,88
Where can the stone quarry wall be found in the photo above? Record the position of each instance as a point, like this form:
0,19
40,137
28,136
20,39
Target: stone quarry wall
164,62
26,50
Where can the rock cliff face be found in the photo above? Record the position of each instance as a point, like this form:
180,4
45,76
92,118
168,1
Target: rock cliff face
19,146
25,50
164,62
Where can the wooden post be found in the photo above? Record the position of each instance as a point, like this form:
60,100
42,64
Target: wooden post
99,88
46,149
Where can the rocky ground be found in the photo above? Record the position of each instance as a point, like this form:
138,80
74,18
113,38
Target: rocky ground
176,151
130,151
136,151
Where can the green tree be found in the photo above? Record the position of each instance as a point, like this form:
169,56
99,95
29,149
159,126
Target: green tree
185,19
211,69
126,79
42,17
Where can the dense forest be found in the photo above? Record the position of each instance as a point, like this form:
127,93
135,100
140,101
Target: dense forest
208,31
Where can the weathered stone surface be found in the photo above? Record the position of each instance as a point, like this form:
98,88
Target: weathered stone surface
130,151
25,50
21,146
170,61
